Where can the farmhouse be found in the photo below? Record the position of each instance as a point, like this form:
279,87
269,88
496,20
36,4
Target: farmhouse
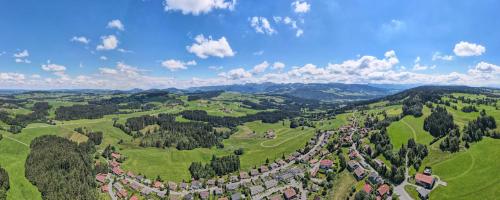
270,134
425,181
423,193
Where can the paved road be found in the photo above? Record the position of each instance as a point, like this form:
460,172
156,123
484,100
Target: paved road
110,188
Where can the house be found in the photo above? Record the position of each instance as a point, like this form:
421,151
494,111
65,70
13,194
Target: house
210,183
130,174
383,190
136,186
367,188
196,185
353,154
423,193
270,134
115,155
244,175
134,197
184,186
264,169
289,193
236,196
256,190
172,186
101,178
105,189
428,171
270,183
274,165
232,186
314,171
139,178
281,162
425,181
122,193
374,178
157,184
220,181
352,165
313,161
359,173
204,195
218,191
234,179
124,181
118,186
378,163
117,171
188,196
325,164
223,198
147,181
275,197
146,191
161,193
253,172
114,164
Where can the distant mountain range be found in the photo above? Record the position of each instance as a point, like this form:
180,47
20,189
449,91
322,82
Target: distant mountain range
331,92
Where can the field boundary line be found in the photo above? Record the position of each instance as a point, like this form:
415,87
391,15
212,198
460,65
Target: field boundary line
16,140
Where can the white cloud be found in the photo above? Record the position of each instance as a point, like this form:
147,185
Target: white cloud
80,39
205,47
278,66
174,65
301,6
49,67
418,67
109,42
216,68
236,74
438,56
260,67
468,49
105,70
12,77
262,25
124,50
299,32
117,24
484,68
103,58
21,57
258,53
291,23
196,7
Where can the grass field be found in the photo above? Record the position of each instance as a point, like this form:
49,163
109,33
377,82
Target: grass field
409,127
342,186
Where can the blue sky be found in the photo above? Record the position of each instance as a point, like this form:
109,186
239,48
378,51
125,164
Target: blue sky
122,44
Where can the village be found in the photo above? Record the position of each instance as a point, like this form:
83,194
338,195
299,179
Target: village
301,175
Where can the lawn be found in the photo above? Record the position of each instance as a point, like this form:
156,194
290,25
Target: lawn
342,186
470,174
409,127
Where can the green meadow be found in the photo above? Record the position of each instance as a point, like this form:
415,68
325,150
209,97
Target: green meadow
409,127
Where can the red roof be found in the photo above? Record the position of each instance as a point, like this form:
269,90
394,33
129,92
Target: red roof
367,188
115,164
157,184
115,155
101,178
134,198
290,193
424,178
130,174
383,189
117,171
327,163
122,193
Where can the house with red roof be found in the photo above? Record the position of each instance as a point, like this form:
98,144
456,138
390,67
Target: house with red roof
383,190
115,155
134,197
367,188
114,164
158,184
289,193
425,181
101,178
104,189
325,164
117,171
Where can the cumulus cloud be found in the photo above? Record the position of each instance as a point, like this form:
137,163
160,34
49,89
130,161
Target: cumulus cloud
301,6
12,77
278,66
103,58
205,47
236,74
174,65
197,7
49,67
260,67
262,25
80,39
438,56
109,42
22,57
116,24
468,49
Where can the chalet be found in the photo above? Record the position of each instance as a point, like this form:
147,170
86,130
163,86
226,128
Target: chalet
359,173
218,191
256,190
130,174
383,190
105,188
244,175
210,183
234,178
264,169
289,193
117,171
122,193
325,164
136,186
196,185
172,186
158,184
124,181
146,191
101,178
270,183
423,193
115,155
114,164
134,197
236,196
253,172
352,165
232,186
367,188
204,195
425,181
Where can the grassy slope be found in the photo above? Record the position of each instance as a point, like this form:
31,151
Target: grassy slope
409,127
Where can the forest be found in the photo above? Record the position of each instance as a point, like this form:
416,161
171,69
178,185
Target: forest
61,169
476,129
4,183
17,123
89,111
218,166
225,121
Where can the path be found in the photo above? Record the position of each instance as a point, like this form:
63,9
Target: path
412,130
110,188
16,140
400,189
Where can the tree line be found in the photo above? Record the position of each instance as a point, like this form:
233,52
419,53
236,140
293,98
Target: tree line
4,183
218,166
87,111
94,136
61,169
39,113
482,126
226,121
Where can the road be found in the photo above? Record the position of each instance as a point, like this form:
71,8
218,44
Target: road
110,188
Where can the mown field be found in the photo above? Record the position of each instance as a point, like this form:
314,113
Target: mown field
409,127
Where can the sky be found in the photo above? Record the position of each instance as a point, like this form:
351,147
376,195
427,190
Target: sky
125,44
